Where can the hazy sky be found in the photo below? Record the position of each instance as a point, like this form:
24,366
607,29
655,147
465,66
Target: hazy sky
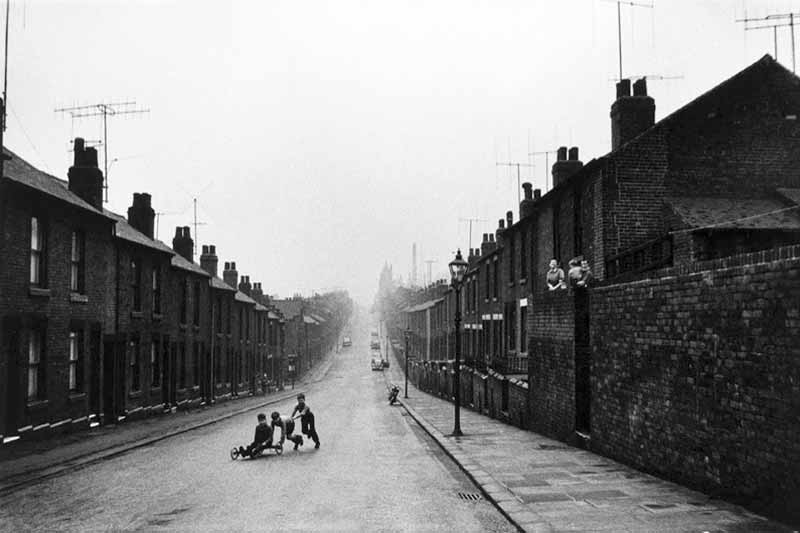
322,138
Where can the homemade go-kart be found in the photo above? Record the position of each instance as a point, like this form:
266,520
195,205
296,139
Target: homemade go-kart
275,446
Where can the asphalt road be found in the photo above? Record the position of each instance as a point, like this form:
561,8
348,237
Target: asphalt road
375,471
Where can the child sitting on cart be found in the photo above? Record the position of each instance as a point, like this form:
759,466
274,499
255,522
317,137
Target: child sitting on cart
261,440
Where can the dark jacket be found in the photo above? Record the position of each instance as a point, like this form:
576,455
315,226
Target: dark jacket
263,434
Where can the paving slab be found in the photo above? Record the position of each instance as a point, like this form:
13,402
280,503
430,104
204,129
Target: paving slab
561,488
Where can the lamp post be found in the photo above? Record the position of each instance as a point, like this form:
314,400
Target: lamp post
458,267
407,334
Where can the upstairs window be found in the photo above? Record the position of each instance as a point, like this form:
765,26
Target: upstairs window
156,285
136,283
196,307
38,241
76,263
523,253
183,296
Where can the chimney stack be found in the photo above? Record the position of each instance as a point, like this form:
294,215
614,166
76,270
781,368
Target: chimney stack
501,228
564,168
183,244
141,215
244,285
209,260
526,205
488,244
85,179
509,219
230,276
537,194
631,115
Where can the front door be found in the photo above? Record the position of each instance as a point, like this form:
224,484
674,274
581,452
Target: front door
113,378
95,339
13,397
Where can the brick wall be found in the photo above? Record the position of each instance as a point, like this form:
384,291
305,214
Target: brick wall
551,363
696,376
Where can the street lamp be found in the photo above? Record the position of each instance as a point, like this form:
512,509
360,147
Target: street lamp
458,267
407,334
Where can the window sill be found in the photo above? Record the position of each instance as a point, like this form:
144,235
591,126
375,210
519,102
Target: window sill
510,283
523,281
155,388
182,327
135,394
136,314
37,404
196,388
76,396
158,316
196,328
78,298
39,292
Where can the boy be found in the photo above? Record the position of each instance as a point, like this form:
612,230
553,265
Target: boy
306,419
262,438
286,423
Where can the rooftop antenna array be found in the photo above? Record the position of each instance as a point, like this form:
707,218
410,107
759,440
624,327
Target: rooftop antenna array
619,22
4,102
774,21
470,220
196,223
514,164
546,154
103,110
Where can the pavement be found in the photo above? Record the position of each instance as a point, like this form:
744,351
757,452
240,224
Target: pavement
24,462
544,485
376,470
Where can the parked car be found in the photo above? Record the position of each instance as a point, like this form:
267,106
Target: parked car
377,364
347,341
385,363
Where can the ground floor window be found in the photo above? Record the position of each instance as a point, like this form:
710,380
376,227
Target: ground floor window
136,365
155,365
76,361
36,367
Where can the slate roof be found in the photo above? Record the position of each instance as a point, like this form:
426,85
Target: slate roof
289,308
309,320
242,297
260,307
273,315
128,233
18,170
423,306
217,283
734,213
178,261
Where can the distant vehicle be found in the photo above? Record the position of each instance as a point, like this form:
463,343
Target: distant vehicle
385,363
377,364
375,344
347,342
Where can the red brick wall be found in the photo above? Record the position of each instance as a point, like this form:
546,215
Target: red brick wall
695,375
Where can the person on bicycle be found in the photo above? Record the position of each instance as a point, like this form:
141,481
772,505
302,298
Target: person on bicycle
286,423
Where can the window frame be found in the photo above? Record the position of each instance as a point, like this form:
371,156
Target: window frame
155,284
135,364
76,357
36,369
155,364
136,283
77,262
37,274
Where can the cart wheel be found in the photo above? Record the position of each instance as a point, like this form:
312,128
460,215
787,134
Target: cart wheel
234,453
278,449
256,453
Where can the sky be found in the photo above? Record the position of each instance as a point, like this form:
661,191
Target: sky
322,138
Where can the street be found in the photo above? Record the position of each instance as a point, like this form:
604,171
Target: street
376,470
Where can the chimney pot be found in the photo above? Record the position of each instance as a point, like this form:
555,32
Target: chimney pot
233,265
623,88
640,87
501,224
205,249
527,187
510,218
212,249
573,153
178,232
485,237
537,193
491,237
561,154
